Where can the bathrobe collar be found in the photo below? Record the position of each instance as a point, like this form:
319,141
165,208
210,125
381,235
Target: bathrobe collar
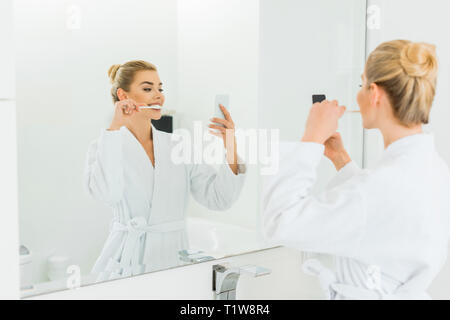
156,137
421,142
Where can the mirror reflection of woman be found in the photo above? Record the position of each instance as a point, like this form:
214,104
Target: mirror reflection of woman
388,227
129,168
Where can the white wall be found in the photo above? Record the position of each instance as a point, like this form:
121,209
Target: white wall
9,231
6,53
64,101
428,21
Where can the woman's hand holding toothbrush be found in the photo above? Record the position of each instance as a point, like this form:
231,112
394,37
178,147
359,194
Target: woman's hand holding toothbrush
322,121
123,111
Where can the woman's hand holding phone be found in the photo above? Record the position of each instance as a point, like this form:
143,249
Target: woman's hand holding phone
226,131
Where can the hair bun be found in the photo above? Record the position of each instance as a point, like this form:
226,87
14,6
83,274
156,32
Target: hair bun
419,59
112,72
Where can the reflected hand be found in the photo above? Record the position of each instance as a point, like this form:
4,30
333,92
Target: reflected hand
227,133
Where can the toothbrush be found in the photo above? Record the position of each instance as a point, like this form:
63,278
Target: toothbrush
151,107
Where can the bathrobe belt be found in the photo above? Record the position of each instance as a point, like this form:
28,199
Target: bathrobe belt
126,263
331,287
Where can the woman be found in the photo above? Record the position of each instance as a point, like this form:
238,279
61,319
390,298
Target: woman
388,227
129,168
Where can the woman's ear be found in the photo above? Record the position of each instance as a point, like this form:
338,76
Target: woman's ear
375,95
121,94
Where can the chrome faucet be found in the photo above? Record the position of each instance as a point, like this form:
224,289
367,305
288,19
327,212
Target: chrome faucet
225,279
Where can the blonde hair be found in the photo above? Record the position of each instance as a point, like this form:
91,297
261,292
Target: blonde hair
122,76
407,71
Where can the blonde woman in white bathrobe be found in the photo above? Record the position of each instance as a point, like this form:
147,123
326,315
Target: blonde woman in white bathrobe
129,168
388,227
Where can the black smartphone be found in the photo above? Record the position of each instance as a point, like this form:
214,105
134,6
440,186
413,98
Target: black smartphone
318,98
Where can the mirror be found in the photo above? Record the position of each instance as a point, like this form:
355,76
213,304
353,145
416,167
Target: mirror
100,200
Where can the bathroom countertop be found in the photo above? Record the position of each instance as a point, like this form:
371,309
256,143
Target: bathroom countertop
53,286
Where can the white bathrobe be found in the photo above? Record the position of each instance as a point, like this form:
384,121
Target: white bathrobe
388,228
149,203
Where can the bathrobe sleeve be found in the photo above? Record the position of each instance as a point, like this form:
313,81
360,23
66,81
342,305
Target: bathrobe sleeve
217,189
332,222
348,171
104,170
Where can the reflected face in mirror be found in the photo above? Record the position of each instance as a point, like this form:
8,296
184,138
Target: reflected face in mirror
146,89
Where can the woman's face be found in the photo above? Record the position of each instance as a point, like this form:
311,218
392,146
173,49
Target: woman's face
146,89
365,98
